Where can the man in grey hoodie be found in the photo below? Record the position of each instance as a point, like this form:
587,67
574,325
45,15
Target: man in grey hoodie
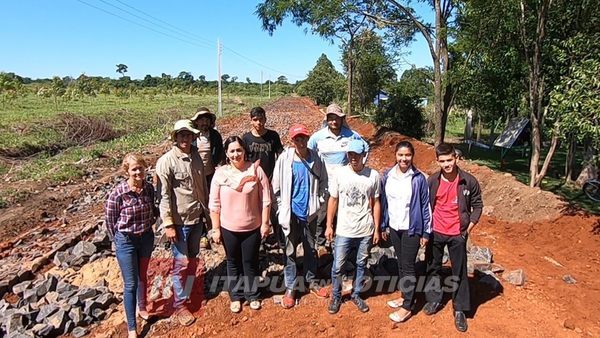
300,188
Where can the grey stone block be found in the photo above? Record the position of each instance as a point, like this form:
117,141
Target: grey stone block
46,311
58,320
30,296
63,286
480,254
86,293
52,297
84,249
13,323
79,332
98,314
515,277
105,300
19,289
42,329
76,315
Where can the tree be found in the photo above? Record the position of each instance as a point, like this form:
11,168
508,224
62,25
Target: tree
417,82
10,88
185,79
402,23
57,89
323,82
282,80
225,77
248,81
342,20
372,67
121,69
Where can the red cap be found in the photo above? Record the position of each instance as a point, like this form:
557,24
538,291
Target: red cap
298,129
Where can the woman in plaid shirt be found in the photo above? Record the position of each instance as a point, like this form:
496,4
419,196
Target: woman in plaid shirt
130,213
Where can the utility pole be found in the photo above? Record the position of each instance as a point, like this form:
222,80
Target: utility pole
261,83
269,86
220,102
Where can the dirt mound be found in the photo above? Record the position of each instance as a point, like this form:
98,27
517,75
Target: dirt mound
503,196
510,200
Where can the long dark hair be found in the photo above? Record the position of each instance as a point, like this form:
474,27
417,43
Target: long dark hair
233,139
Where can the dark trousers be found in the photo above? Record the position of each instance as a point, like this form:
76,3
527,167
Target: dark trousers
300,232
241,249
321,226
459,284
406,248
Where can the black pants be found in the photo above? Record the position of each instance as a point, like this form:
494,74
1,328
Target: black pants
241,249
406,248
459,284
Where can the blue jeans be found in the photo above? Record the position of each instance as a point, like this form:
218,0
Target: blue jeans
185,262
133,255
300,231
343,246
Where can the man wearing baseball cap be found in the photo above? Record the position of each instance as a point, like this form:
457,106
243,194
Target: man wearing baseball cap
300,187
183,197
331,143
354,192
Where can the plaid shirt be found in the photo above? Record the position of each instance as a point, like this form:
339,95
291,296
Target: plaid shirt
129,212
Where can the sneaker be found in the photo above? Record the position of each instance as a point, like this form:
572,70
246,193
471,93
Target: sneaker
288,300
204,243
334,306
184,317
460,321
255,304
318,291
235,306
360,304
431,308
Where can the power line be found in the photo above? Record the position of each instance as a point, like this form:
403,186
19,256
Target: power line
166,23
141,18
141,25
201,38
202,43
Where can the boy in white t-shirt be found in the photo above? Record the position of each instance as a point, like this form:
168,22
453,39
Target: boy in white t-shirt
354,190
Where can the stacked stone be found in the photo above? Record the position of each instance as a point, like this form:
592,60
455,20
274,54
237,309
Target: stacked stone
53,307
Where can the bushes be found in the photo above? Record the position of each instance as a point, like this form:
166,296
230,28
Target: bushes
403,114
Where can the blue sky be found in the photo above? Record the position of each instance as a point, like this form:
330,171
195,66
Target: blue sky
69,37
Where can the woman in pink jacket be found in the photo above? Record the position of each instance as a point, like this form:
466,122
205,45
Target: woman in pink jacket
239,203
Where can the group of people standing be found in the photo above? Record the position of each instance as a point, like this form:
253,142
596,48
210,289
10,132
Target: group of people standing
318,192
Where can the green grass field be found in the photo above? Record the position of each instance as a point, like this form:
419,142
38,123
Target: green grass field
140,120
28,125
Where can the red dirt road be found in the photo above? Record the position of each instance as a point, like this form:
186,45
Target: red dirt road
545,307
525,228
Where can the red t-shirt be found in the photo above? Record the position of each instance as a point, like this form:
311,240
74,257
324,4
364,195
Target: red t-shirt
445,214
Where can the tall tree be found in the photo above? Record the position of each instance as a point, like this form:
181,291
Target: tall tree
339,19
323,82
372,67
402,22
121,69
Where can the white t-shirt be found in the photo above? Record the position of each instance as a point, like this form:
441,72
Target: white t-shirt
398,191
354,191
